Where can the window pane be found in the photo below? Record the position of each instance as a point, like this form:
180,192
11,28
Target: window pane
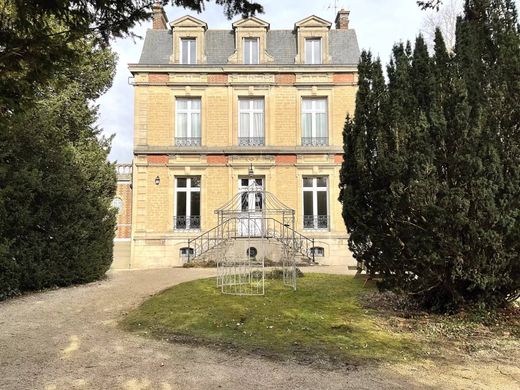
254,48
258,125
181,182
182,125
195,182
185,51
307,181
182,104
322,202
244,182
321,125
258,104
321,182
195,104
193,52
307,203
247,51
195,125
307,125
195,204
245,201
244,125
317,51
307,104
244,104
321,105
181,204
308,51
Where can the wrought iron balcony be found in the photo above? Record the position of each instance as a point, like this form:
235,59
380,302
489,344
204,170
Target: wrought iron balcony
316,222
187,223
315,141
251,141
187,141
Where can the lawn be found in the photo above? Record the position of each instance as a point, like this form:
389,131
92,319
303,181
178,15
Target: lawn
322,320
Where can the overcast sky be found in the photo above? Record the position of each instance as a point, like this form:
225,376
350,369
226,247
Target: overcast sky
378,24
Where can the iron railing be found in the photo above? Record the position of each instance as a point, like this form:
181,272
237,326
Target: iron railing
315,141
316,222
251,141
186,223
187,141
233,229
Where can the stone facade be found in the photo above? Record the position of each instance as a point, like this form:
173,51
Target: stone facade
282,160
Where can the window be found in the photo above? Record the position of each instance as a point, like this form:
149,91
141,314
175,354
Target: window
187,203
251,252
187,128
317,251
251,53
313,51
315,207
251,122
314,122
188,51
117,203
185,253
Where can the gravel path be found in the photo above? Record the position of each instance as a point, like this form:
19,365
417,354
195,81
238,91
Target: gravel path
67,339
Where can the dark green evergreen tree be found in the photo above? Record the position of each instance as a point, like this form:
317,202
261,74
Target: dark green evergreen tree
440,218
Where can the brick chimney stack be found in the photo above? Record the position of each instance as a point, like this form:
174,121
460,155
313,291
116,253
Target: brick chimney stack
342,19
160,20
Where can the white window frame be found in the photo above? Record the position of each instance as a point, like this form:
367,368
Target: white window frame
316,55
314,111
188,190
249,42
192,44
315,189
189,110
251,111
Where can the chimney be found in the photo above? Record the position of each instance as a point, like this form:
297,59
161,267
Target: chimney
160,20
342,20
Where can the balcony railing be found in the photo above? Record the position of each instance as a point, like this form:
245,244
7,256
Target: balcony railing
251,141
315,141
316,222
187,223
187,141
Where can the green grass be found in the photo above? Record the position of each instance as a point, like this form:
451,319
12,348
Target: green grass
323,319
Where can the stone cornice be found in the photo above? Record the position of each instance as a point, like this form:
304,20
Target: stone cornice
266,150
240,68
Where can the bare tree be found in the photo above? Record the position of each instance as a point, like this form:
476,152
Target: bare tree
445,18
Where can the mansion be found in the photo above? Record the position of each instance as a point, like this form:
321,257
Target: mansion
219,111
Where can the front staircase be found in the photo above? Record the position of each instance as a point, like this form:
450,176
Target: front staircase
206,246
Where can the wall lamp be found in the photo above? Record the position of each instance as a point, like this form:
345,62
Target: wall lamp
251,170
157,180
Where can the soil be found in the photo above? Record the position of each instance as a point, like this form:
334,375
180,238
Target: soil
69,339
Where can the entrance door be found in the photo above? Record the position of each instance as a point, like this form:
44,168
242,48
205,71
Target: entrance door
251,206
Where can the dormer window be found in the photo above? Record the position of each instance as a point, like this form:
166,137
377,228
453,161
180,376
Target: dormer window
188,51
313,51
251,52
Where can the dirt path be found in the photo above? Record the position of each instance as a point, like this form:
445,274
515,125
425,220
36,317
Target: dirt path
67,339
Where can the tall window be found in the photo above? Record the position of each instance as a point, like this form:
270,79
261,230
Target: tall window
187,203
313,51
251,122
187,128
251,51
188,51
315,207
314,122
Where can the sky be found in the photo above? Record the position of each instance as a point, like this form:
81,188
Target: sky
378,24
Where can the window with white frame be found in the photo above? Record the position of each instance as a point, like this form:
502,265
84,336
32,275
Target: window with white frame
187,203
317,251
251,52
313,51
315,204
188,51
251,122
187,124
314,122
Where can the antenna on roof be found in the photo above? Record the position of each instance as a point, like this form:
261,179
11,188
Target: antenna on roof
334,6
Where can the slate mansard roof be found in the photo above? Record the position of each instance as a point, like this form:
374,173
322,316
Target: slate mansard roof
220,44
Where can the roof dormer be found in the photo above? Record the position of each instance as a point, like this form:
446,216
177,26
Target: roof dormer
313,41
250,42
188,41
